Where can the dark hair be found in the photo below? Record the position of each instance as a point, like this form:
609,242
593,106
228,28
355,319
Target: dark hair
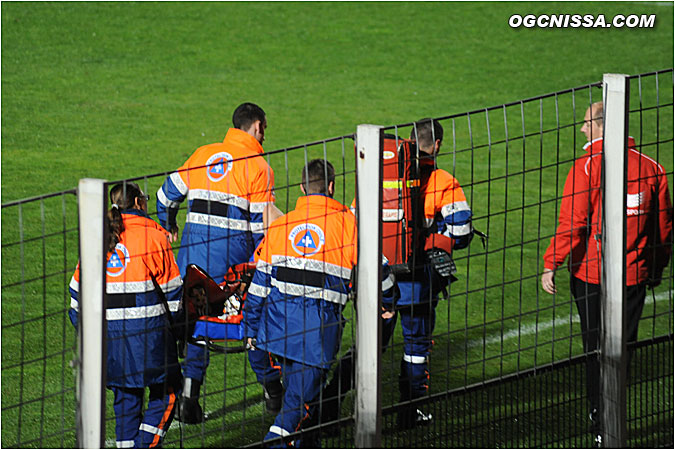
425,134
122,196
246,115
317,175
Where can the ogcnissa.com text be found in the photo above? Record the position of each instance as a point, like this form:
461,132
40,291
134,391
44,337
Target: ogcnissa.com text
582,21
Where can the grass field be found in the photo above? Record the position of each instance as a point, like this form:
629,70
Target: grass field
121,90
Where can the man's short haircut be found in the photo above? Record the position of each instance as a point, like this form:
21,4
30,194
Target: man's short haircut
597,111
246,115
425,134
317,175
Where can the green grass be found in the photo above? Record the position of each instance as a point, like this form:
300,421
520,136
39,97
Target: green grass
133,89
120,90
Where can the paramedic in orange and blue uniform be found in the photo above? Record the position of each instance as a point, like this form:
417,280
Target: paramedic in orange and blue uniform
294,304
446,211
141,348
230,192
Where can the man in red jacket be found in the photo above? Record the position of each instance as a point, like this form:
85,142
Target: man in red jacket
649,237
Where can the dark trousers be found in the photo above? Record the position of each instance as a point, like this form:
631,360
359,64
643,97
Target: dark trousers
417,323
303,386
266,369
135,428
587,298
343,377
196,361
417,326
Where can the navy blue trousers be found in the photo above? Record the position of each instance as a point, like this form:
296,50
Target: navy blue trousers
135,428
303,385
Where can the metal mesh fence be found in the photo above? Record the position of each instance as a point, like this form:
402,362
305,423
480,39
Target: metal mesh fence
232,399
507,365
650,123
545,407
496,321
39,252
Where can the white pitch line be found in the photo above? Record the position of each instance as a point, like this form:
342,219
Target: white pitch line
532,328
525,330
653,3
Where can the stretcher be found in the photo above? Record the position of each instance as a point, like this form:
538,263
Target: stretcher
212,312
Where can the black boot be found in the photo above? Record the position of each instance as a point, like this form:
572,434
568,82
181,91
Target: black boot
596,428
335,392
188,410
409,416
274,394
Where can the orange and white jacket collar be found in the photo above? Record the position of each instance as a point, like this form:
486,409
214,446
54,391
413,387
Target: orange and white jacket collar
319,200
242,138
137,218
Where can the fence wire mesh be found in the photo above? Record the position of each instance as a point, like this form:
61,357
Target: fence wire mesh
496,321
512,162
39,250
232,398
507,365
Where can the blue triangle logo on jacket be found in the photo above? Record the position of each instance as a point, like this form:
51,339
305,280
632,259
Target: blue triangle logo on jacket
307,241
217,169
114,261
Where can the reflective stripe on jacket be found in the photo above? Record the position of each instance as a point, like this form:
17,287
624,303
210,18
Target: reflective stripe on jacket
445,204
649,221
227,185
141,349
302,281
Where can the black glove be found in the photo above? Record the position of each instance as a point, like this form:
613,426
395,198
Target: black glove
442,262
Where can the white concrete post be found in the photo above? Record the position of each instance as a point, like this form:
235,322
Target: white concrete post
91,321
613,354
369,141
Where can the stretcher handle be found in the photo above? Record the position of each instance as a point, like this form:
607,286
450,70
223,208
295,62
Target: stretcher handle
212,346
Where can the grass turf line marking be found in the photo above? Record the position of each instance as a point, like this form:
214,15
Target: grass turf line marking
532,328
493,339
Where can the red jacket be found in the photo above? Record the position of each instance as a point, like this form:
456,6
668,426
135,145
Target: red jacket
649,222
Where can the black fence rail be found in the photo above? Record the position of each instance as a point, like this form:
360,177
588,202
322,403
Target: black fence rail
39,252
537,408
507,365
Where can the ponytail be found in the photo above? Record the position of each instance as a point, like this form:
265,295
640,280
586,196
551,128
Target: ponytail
122,196
115,227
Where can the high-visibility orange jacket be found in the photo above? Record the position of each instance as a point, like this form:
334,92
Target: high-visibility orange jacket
445,204
227,184
302,280
141,349
447,212
649,218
